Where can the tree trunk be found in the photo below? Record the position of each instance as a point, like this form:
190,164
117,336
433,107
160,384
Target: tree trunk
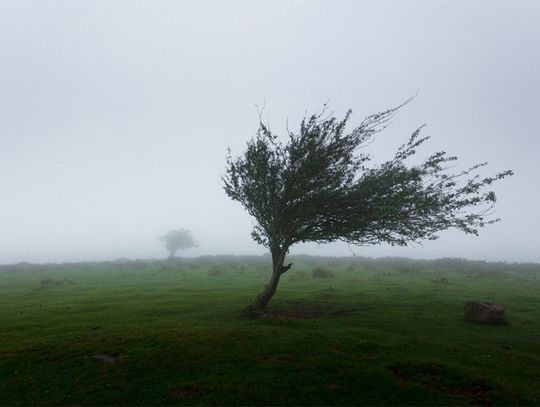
258,306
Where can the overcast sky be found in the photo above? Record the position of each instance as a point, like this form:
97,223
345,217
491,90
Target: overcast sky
115,116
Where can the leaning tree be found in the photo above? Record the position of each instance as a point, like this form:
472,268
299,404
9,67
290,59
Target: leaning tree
318,186
175,240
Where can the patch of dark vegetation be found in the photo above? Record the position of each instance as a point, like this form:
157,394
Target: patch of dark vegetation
299,310
445,380
321,272
54,282
308,310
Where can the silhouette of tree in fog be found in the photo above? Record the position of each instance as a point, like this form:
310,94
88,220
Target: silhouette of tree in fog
318,186
175,240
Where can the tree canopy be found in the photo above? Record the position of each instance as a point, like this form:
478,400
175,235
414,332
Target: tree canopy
175,240
319,186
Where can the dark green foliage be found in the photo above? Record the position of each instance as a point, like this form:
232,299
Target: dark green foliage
318,187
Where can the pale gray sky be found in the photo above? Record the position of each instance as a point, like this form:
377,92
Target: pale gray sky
115,116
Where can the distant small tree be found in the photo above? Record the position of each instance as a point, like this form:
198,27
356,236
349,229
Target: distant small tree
175,240
318,187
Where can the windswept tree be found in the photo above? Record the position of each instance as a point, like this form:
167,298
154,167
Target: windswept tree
318,186
175,240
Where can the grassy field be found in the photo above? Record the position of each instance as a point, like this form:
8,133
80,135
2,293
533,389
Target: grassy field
363,332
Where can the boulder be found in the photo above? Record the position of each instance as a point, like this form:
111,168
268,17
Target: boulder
485,313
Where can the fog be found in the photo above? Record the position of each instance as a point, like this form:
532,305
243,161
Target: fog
116,116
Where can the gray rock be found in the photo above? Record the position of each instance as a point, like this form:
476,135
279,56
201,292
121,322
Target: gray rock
481,312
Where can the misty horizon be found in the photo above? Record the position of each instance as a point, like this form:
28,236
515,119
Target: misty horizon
115,119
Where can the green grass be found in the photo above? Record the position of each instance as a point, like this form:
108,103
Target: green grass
385,332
